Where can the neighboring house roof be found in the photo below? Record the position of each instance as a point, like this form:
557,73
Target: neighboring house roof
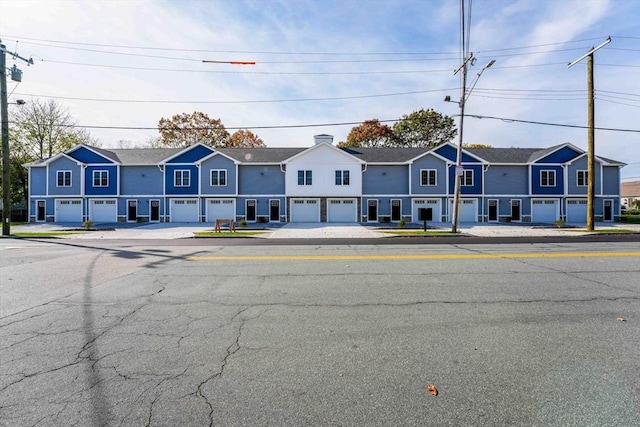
144,156
630,189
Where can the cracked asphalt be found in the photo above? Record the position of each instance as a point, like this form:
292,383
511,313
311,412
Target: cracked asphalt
137,334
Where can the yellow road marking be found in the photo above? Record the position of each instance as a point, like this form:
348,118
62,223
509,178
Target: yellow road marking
409,256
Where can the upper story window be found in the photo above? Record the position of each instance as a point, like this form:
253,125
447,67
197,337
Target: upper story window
305,177
342,177
428,177
583,178
182,178
218,177
547,178
100,178
467,178
64,178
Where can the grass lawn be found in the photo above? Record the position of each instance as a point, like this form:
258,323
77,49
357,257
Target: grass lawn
603,230
226,233
631,219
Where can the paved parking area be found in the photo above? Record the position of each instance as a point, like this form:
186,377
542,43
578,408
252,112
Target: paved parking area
310,230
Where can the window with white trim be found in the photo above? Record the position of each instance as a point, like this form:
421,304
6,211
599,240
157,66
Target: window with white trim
428,177
181,178
64,178
305,177
582,178
342,177
101,178
547,178
218,177
467,178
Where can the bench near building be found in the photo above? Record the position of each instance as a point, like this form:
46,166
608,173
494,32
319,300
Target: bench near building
321,183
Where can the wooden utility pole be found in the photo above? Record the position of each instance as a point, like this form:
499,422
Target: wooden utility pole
591,176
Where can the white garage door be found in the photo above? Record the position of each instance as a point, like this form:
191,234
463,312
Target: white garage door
342,210
468,210
221,209
544,210
305,210
577,211
103,211
433,204
184,210
68,210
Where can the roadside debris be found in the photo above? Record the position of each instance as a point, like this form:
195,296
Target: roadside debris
432,389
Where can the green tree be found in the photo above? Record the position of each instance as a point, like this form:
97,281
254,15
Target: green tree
369,134
424,128
244,138
184,130
39,129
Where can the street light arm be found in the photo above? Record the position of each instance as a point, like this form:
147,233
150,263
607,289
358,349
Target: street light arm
475,81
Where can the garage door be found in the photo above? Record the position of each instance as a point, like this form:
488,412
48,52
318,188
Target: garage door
433,204
220,208
103,211
305,210
342,210
468,210
68,210
546,211
577,211
185,210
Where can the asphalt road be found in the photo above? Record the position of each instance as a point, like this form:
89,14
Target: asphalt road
174,334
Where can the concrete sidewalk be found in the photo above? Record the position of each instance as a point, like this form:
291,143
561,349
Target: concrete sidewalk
311,230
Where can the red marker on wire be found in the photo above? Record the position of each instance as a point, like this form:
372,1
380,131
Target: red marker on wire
230,62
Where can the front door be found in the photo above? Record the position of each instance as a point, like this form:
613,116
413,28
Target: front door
154,214
515,210
274,210
42,211
132,210
608,210
372,211
251,210
395,210
493,210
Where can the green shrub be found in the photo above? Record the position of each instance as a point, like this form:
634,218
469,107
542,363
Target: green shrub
242,223
88,224
560,222
401,223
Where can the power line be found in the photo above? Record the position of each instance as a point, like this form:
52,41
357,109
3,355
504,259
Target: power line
337,98
476,116
258,52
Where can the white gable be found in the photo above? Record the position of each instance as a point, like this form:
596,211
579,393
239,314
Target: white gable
323,161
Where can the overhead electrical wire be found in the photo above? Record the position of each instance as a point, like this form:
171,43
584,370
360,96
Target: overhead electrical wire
476,116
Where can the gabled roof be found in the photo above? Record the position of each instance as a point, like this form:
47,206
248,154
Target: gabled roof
504,155
261,155
100,151
322,144
144,156
545,152
44,162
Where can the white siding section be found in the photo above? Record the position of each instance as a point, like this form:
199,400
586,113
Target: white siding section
323,160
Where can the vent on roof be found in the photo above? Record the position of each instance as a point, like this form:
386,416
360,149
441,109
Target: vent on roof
323,138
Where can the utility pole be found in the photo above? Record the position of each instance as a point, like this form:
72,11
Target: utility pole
6,158
459,171
591,176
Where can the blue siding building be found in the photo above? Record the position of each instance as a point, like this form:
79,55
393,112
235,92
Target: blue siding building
321,183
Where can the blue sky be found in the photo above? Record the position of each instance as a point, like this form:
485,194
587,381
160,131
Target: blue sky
127,64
